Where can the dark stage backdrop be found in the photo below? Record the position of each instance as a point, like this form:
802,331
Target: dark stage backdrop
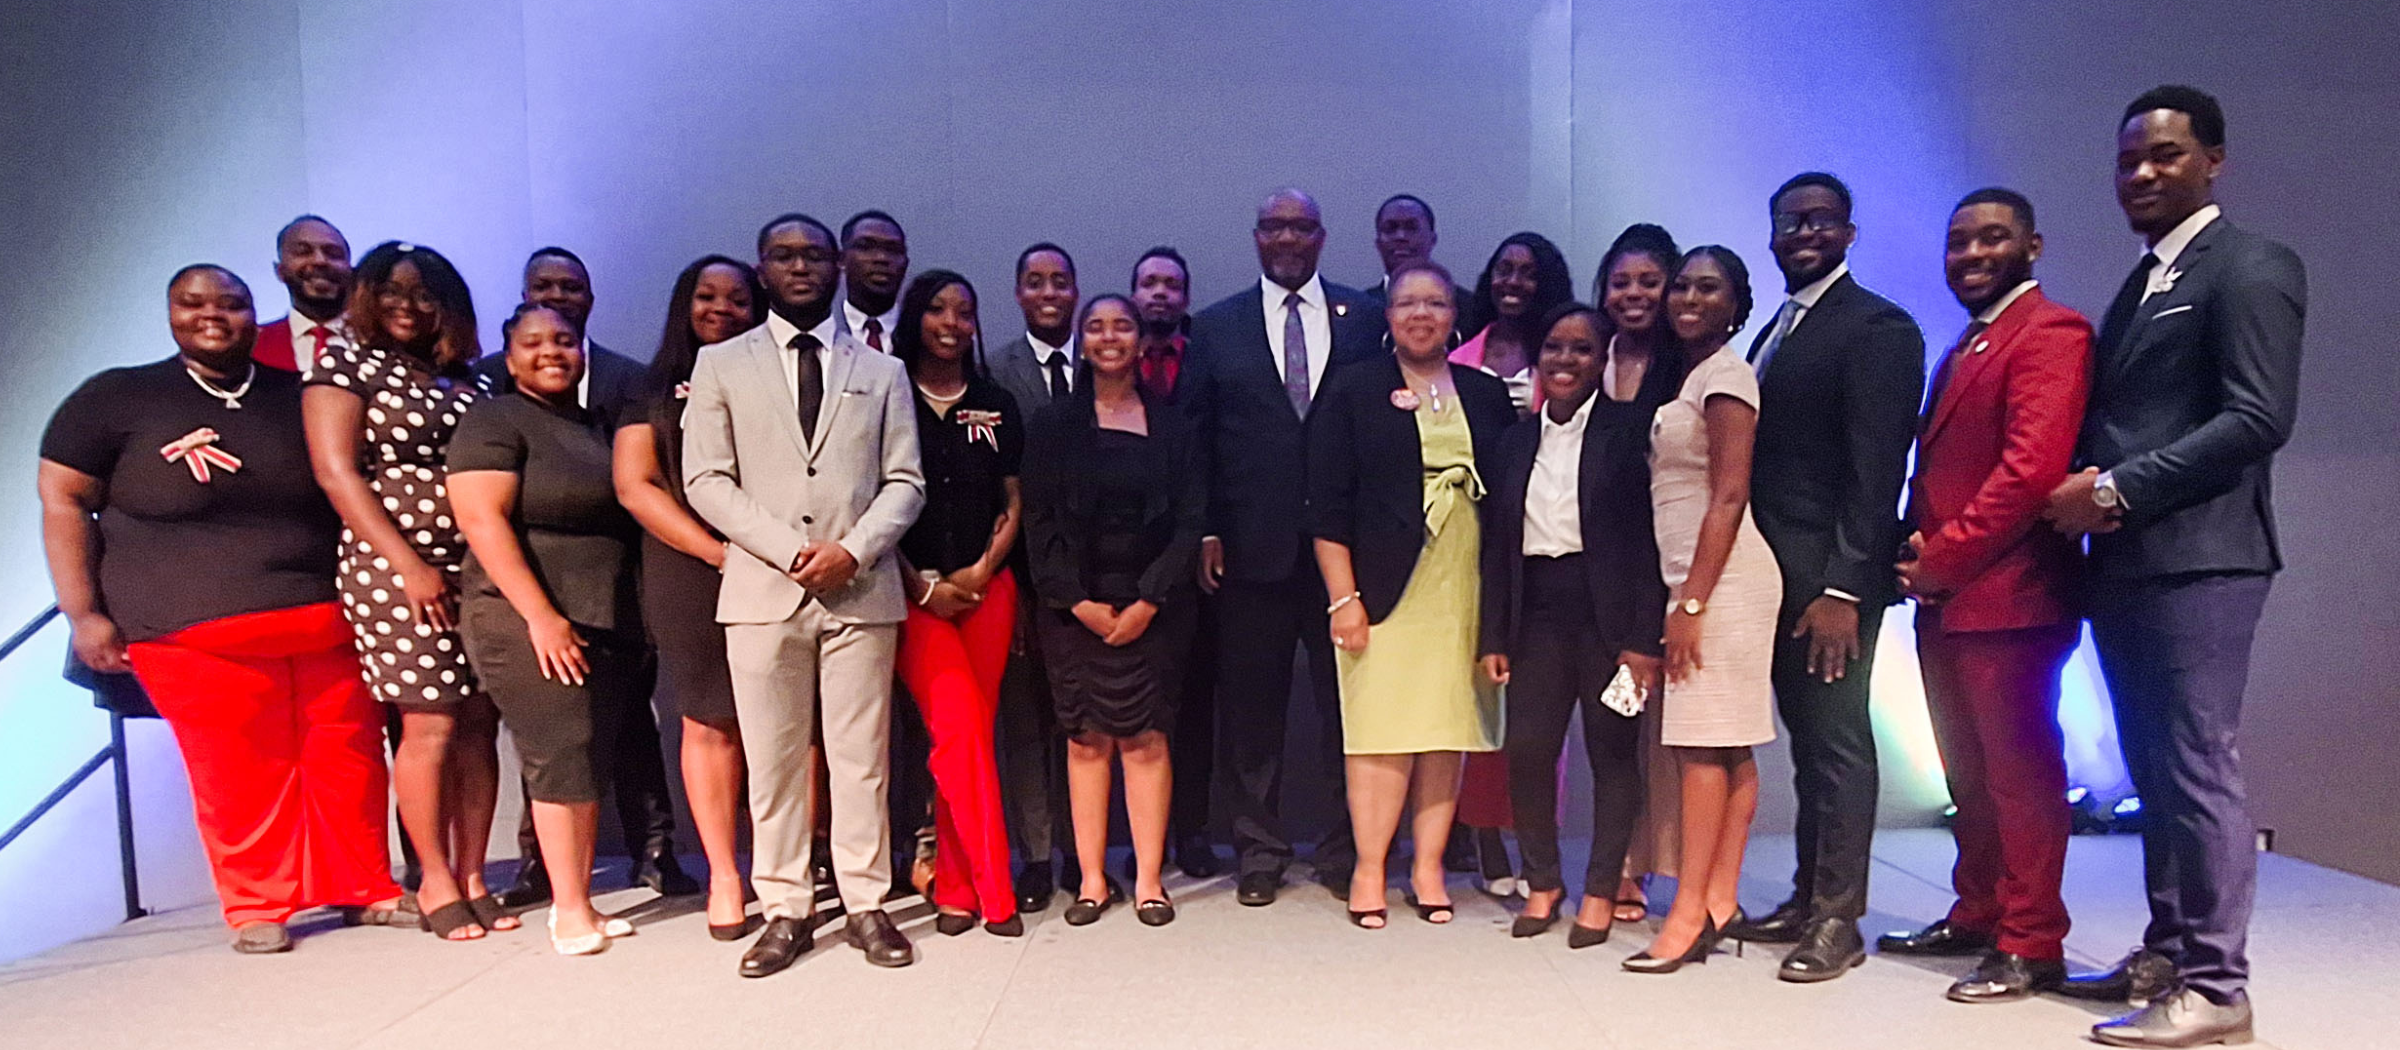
139,137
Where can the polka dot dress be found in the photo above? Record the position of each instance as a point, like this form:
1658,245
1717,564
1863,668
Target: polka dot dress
410,417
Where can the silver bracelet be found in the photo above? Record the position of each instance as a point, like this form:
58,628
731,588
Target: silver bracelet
1337,606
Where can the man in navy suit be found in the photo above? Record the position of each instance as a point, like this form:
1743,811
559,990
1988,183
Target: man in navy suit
1254,365
2196,379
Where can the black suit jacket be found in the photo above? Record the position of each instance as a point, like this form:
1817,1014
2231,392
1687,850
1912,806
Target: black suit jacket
2190,399
1620,548
619,383
1366,470
1062,511
1252,446
1837,415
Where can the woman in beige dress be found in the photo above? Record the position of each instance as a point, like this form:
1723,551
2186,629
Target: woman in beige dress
1723,589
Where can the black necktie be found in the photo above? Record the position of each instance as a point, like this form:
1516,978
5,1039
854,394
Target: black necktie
812,384
1055,367
1941,374
2129,299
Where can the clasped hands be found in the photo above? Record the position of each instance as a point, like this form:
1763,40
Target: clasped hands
823,567
1116,627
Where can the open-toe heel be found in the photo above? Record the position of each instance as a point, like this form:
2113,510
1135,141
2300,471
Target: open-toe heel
1382,917
488,913
1426,912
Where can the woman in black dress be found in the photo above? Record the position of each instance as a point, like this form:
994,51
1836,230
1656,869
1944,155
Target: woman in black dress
547,605
715,299
1113,516
1571,595
379,418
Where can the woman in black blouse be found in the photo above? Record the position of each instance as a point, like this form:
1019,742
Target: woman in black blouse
715,299
190,546
1572,597
1113,516
954,645
547,601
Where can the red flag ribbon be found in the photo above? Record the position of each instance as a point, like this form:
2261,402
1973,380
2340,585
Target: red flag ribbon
198,450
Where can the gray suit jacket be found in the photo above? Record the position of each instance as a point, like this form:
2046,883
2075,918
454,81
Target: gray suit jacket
748,473
1013,367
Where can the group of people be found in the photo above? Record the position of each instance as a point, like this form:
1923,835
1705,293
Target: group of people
1478,512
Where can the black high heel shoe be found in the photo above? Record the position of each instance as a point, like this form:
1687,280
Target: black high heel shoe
1382,917
1582,936
949,925
1702,946
1533,925
1426,912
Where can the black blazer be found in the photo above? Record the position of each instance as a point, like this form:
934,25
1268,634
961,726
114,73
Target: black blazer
620,384
1366,470
2191,396
1837,415
1253,448
1620,548
1061,442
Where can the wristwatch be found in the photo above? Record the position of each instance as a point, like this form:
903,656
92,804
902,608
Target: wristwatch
1692,606
2105,494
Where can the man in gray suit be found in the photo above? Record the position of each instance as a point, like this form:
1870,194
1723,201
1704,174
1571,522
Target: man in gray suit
800,445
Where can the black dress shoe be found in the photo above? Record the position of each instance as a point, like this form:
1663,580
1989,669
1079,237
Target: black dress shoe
2185,1018
2140,978
658,870
531,888
1939,939
2005,977
1197,858
1257,889
1828,949
872,932
1034,888
1784,925
783,942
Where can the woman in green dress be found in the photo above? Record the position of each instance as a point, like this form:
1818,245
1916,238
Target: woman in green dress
1393,485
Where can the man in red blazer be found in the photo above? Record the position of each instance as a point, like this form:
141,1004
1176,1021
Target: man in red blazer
1996,616
312,259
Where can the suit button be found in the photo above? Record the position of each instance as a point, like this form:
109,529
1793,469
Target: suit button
812,472
806,520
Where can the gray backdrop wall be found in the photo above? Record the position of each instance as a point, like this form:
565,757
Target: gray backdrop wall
139,137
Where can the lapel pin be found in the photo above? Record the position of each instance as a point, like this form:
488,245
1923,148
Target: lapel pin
1981,345
1404,399
2166,283
1341,309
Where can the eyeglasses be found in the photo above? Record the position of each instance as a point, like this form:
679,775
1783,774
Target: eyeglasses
397,297
1789,223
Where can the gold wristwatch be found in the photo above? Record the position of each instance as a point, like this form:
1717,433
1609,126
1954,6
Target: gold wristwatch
1692,606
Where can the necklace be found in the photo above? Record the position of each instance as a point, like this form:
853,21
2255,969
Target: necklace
233,397
945,398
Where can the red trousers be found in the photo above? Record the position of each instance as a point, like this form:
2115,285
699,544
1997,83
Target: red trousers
284,747
952,669
1994,700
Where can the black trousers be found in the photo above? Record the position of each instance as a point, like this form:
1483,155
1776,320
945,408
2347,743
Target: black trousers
1260,624
1834,774
1033,756
1193,745
2176,655
1554,671
636,770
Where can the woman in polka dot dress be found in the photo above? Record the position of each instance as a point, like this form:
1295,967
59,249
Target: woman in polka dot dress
379,419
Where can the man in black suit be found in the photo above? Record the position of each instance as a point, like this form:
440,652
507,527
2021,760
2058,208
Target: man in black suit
2195,383
612,388
1403,235
1255,364
874,265
1839,373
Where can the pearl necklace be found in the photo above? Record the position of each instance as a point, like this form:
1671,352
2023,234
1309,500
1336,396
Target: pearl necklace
233,397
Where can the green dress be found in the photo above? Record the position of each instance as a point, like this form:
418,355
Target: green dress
1415,688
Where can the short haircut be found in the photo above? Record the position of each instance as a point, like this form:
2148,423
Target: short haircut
1840,189
1426,266
850,225
1737,274
508,327
288,227
786,219
1038,247
208,267
1999,195
552,251
1410,198
1570,308
2208,118
1161,252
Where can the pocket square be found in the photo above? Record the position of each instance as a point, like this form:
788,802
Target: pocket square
2171,310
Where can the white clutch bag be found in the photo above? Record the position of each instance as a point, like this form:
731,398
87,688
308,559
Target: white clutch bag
1622,695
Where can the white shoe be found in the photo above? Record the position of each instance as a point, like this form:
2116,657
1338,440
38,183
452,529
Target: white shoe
616,928
592,943
1504,887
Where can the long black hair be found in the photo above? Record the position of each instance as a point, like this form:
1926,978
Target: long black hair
1553,283
455,343
678,347
908,342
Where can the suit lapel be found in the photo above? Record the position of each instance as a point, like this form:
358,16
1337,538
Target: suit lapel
837,379
1989,345
2192,258
766,360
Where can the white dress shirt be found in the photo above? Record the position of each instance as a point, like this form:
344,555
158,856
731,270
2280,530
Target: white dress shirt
1999,306
2168,249
1553,515
888,321
304,341
1316,324
1806,298
1043,352
782,332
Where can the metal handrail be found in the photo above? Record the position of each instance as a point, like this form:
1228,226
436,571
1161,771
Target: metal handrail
114,756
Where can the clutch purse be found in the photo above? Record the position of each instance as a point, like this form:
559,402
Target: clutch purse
1622,695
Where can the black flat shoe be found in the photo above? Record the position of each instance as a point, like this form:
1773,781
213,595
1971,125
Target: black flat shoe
1426,912
785,940
949,925
2005,977
1582,936
1702,947
1086,912
1257,889
1197,858
1013,926
1155,913
733,931
1784,925
1939,940
1533,925
1035,888
1382,917
1831,948
872,932
2140,978
531,888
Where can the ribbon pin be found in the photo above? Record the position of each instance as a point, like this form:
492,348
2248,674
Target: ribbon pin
198,450
981,426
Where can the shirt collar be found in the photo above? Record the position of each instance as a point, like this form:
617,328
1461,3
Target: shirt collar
1575,423
2172,245
858,318
1311,294
1999,306
782,330
1809,293
1043,352
302,325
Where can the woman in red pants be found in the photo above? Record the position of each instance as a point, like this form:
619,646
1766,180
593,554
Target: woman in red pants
189,543
955,642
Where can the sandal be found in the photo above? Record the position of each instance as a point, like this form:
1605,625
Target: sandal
1630,909
489,913
1445,909
451,918
403,913
262,938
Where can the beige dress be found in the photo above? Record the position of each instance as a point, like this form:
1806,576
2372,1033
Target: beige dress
1730,700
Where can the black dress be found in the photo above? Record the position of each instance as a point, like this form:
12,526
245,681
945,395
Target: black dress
1113,517
679,592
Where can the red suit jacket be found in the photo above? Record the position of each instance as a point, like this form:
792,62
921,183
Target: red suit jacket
2002,436
274,348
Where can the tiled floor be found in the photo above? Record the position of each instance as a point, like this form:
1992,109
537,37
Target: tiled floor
1222,976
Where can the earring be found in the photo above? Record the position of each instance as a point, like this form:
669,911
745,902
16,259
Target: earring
1456,339
1387,342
